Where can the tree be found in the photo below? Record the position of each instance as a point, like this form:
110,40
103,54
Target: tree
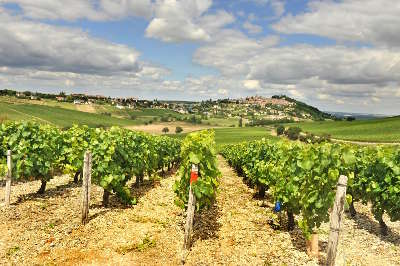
293,133
165,130
350,118
280,130
178,130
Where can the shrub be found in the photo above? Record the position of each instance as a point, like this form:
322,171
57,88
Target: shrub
165,130
293,133
325,138
280,130
178,130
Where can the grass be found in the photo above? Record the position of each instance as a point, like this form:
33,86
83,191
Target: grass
223,122
59,116
375,130
224,136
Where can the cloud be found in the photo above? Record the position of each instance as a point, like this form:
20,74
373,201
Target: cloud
335,64
317,74
223,91
323,96
230,52
366,21
40,56
295,93
252,84
26,44
186,20
339,101
97,10
252,28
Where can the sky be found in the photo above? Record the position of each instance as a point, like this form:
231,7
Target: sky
341,55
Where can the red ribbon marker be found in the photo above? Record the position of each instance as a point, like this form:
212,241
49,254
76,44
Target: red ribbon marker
194,174
193,177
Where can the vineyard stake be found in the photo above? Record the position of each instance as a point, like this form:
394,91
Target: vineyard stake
87,175
190,213
336,218
312,245
8,179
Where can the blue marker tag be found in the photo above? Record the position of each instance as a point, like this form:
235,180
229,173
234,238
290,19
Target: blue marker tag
277,206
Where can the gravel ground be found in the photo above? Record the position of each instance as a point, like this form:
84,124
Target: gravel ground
46,230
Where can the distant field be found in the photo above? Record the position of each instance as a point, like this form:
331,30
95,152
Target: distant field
59,116
223,122
156,128
225,136
376,130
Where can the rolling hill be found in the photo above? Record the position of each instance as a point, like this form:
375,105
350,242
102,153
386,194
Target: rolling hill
373,130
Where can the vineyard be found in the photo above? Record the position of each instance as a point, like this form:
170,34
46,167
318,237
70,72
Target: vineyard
301,178
40,152
204,206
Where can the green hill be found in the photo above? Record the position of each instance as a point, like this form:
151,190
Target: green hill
374,130
59,116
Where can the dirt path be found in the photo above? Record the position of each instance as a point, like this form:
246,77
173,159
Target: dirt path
236,230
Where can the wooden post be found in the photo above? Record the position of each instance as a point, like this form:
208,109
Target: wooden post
190,214
312,246
87,176
8,179
336,218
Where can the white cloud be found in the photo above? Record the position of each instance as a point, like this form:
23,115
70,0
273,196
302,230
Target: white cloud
186,20
252,84
96,10
252,28
295,93
367,21
223,91
323,96
26,44
317,74
230,52
338,101
375,99
35,56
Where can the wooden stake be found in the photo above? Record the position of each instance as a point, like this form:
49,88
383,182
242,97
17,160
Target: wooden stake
312,246
336,218
8,179
87,176
189,219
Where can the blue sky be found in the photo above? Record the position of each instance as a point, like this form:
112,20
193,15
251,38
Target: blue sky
336,55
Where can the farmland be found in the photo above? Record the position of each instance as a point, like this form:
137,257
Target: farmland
224,136
59,116
375,130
